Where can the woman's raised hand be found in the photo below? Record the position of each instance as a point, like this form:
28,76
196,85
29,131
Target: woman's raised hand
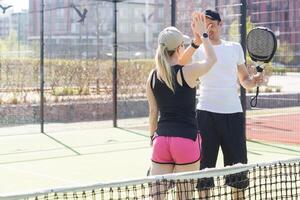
198,24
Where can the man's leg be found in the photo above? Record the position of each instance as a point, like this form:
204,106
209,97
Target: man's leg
234,149
209,150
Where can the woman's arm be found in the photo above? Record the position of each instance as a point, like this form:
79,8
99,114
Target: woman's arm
189,52
153,110
194,71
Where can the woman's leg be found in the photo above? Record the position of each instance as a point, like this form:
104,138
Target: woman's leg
159,189
185,189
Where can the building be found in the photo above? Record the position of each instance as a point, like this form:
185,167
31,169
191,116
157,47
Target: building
283,18
4,27
19,25
280,16
14,33
66,38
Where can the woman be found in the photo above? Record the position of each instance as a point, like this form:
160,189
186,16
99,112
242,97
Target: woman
171,90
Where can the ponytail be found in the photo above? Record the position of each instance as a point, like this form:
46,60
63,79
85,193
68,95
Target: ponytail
163,67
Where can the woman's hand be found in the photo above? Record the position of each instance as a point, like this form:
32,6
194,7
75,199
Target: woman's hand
198,24
197,38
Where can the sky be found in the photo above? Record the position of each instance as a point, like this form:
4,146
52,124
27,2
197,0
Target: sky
18,4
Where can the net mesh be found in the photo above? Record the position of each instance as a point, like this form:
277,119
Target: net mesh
276,180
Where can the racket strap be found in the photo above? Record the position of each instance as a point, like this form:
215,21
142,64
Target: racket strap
253,101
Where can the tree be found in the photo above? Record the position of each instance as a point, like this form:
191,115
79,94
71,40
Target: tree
285,53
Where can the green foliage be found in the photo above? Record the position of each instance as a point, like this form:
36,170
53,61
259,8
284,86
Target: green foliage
13,100
266,89
279,70
10,45
234,29
76,77
285,53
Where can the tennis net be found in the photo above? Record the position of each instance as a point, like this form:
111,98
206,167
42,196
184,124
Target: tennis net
274,180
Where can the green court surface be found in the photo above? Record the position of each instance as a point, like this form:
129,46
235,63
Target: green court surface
84,153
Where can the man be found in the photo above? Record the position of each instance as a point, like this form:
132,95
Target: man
219,112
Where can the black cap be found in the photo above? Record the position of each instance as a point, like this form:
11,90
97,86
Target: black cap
214,15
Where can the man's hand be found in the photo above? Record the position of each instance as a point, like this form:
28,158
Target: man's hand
260,79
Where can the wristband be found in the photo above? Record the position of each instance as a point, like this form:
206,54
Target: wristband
194,45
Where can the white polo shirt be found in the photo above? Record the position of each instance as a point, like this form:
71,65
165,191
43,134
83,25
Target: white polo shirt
219,87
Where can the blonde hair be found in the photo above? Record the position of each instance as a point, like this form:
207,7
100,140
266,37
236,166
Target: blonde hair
169,40
163,66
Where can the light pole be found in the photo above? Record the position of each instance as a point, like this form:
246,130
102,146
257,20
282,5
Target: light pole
115,58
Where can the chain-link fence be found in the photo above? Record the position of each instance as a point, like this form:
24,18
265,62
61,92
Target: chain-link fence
78,53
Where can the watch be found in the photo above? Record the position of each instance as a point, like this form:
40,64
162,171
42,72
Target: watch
194,45
205,35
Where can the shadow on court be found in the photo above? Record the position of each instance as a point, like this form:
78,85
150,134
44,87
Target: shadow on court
283,128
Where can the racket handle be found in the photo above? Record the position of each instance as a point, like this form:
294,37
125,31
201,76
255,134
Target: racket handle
259,69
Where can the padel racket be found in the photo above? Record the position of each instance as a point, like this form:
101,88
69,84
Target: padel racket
261,45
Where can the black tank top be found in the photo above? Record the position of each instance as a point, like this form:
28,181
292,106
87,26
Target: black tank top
177,110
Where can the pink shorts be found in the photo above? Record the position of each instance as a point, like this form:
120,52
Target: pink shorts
176,150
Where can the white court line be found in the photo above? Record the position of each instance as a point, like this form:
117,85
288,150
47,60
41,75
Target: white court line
37,174
268,130
256,120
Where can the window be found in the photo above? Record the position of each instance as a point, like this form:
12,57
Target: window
75,28
124,28
60,3
123,12
160,12
139,28
286,16
138,13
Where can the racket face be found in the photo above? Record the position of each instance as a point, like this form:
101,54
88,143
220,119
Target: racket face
261,44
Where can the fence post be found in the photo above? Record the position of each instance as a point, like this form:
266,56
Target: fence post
243,31
217,5
173,13
42,67
115,65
